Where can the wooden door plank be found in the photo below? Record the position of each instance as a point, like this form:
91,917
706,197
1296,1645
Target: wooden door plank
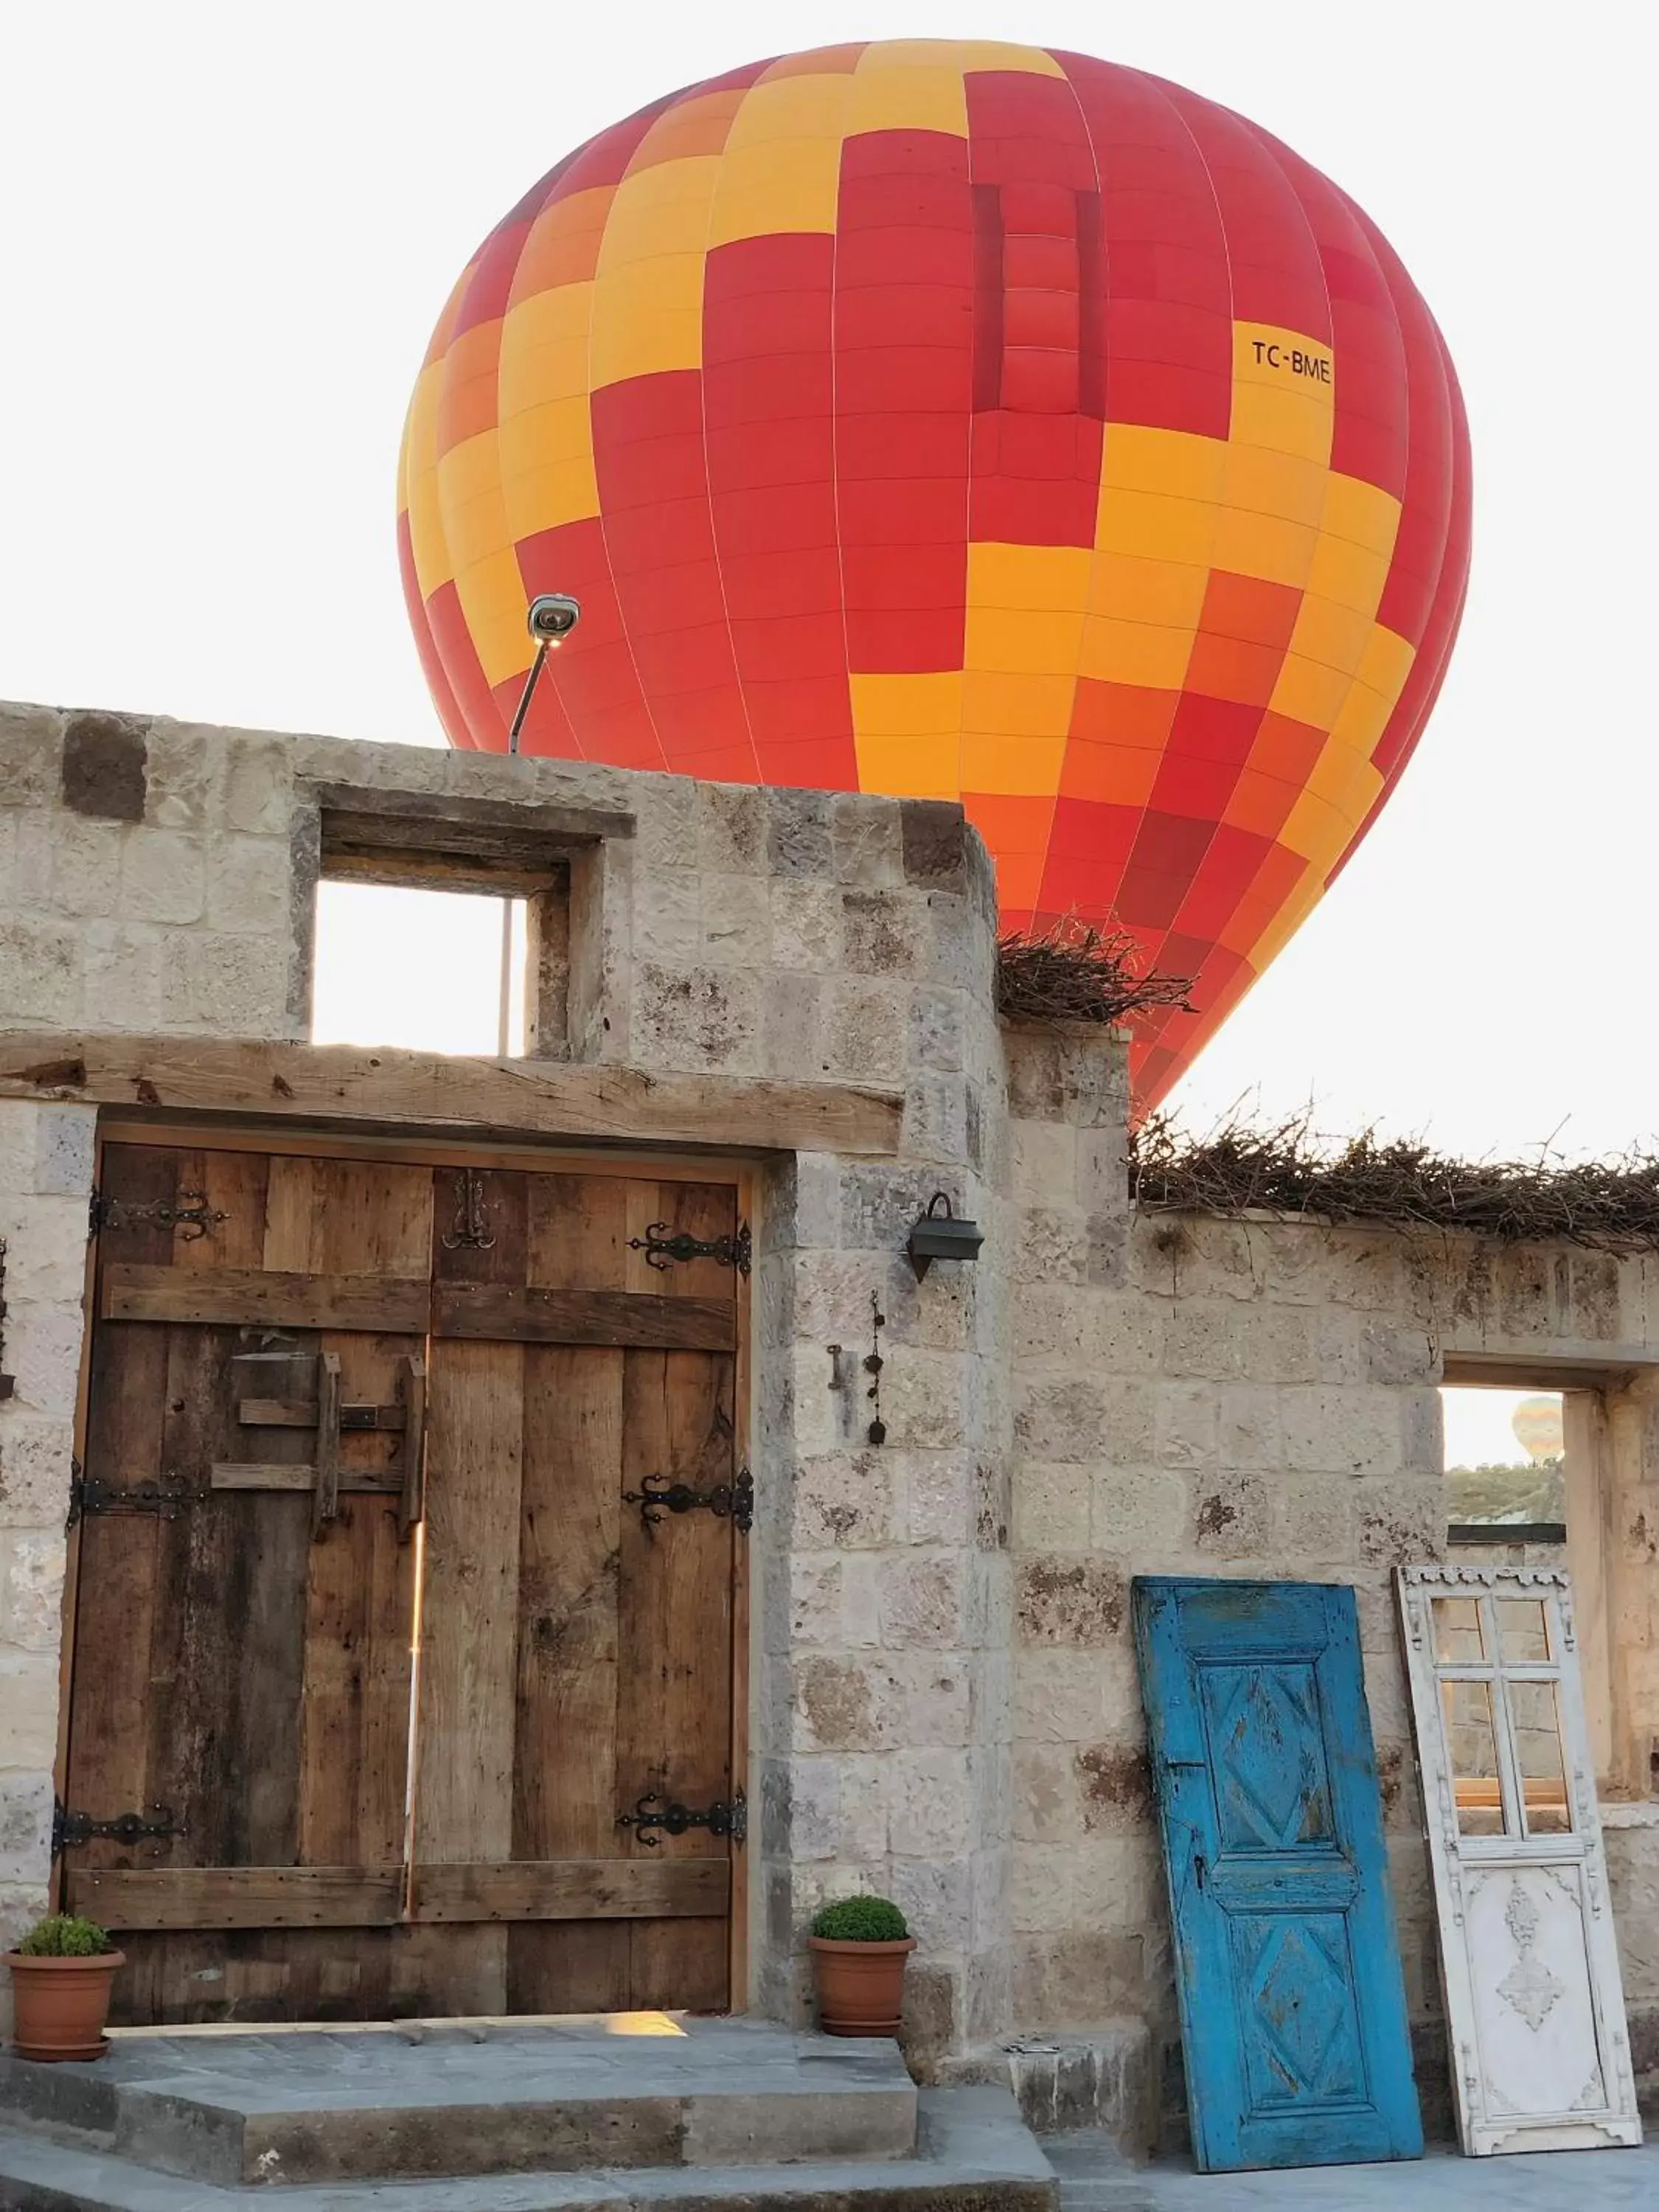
411,1485
117,1587
266,1475
577,1889
743,1383
463,1789
475,1441
204,1897
674,1721
359,1624
258,1297
224,1707
536,1315
565,1801
325,1489
302,1414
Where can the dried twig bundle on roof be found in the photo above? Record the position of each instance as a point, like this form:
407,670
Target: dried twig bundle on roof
1242,1167
1074,972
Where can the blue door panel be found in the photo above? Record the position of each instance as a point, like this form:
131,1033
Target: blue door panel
1293,2014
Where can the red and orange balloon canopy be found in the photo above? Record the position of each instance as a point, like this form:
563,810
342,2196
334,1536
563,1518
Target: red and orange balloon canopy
965,420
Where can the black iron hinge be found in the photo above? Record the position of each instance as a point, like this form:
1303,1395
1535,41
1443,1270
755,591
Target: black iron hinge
7,1382
191,1216
673,1818
167,1499
70,1830
728,1501
663,1248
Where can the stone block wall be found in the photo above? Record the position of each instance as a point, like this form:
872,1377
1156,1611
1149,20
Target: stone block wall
160,877
1195,1396
944,1700
45,1179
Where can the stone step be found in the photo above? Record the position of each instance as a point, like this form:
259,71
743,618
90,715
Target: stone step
316,2106
973,2154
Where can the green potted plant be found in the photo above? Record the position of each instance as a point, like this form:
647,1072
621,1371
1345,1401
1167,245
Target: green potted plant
60,1983
859,1946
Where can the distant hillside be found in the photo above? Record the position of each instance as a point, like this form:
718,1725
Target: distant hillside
1535,1492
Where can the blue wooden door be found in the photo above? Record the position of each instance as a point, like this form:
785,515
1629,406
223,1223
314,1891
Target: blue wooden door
1292,2010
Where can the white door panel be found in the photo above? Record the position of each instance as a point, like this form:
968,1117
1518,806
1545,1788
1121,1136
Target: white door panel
1529,1968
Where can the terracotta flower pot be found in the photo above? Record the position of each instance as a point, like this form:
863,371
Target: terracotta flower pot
60,2005
861,1985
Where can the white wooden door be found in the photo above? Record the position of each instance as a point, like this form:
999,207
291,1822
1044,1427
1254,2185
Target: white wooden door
1534,2009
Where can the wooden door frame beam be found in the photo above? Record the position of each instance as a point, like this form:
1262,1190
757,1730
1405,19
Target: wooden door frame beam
307,1083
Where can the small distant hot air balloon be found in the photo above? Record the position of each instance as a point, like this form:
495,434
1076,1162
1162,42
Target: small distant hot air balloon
1537,1422
967,421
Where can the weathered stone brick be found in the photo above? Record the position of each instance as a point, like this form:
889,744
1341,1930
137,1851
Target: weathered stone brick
736,920
932,831
868,840
848,1705
122,988
799,841
259,785
231,985
1138,1516
86,865
1067,1597
31,1589
1341,1431
1188,1425
31,754
103,766
1051,1508
698,1018
25,1827
1231,1515
29,1720
922,1601
35,1471
867,1031
843,1501
732,825
39,973
63,1139
806,925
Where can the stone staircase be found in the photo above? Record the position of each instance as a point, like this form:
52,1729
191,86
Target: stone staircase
604,2115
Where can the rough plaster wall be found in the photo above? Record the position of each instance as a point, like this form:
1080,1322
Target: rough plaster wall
45,1177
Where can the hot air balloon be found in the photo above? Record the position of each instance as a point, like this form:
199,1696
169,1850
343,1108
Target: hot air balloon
967,421
1538,1426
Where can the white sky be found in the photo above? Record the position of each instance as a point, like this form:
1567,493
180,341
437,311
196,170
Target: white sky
1479,1429
228,230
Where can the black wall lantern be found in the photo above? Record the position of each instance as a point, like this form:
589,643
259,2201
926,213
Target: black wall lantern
939,1236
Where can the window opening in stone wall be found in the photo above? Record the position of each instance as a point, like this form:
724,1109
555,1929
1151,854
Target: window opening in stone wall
1525,1472
1505,1463
416,969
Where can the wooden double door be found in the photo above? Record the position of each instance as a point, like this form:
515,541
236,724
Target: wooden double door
408,1588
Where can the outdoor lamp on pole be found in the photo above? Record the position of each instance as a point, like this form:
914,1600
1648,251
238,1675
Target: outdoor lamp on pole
551,617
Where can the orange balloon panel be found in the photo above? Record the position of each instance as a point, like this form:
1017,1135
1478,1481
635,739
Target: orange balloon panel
971,421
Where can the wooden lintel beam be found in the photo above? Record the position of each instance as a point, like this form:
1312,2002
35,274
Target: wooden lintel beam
505,1097
446,821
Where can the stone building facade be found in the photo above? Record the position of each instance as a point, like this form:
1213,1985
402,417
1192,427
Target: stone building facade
945,1705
